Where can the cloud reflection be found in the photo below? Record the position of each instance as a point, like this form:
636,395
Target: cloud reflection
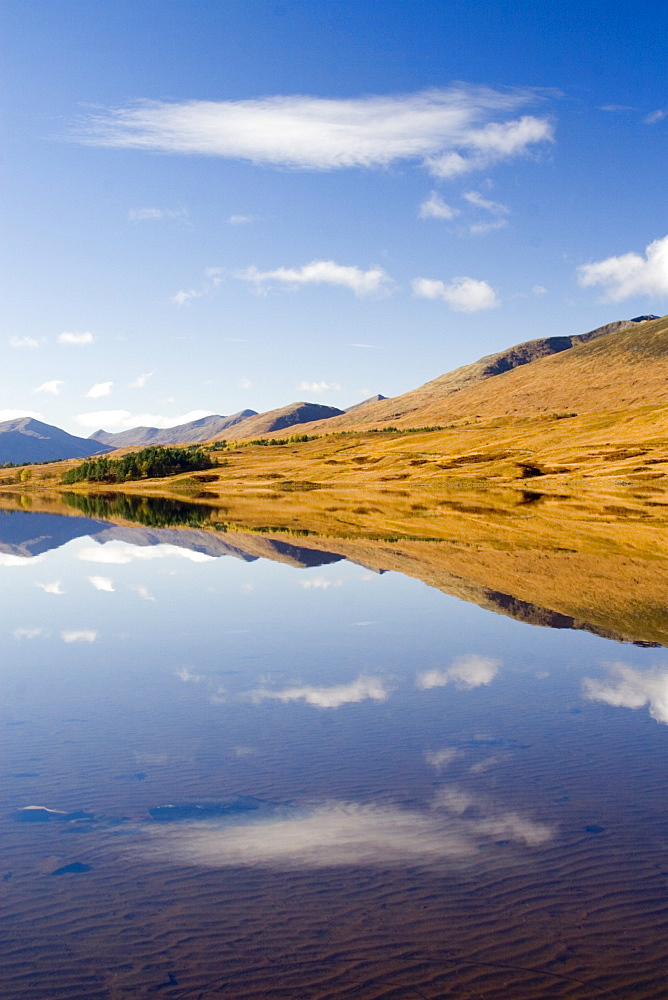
361,689
466,672
629,688
51,588
79,635
120,553
339,833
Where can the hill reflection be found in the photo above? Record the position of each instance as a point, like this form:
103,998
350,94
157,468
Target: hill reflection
611,578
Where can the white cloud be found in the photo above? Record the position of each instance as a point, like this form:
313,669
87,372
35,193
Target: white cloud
616,107
53,386
51,588
374,282
80,635
361,689
20,342
181,298
462,294
450,131
495,207
241,220
18,414
539,290
121,420
141,380
120,553
142,592
629,688
156,214
466,672
27,633
630,274
75,338
435,208
99,389
102,583
655,116
244,383
319,387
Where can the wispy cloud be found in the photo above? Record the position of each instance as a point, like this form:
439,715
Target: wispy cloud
435,208
469,671
626,687
79,635
156,214
374,282
539,290
495,208
630,274
319,387
75,339
102,583
53,386
462,294
141,380
142,592
241,220
182,297
121,420
361,689
27,633
244,383
450,131
99,389
23,342
655,116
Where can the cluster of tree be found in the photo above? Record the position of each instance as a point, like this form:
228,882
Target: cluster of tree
293,439
149,463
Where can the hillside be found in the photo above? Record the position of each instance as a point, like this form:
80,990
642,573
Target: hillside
193,432
421,406
29,440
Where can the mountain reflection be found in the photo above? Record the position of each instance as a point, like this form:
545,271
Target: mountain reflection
571,588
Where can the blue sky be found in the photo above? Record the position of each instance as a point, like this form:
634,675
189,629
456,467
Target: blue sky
217,205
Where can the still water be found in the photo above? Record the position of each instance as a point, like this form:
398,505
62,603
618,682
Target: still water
296,777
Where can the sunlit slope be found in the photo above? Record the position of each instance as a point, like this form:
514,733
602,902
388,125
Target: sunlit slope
449,395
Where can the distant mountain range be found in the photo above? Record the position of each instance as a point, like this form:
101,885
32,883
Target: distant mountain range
29,440
450,396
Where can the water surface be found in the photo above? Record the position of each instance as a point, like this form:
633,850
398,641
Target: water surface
296,776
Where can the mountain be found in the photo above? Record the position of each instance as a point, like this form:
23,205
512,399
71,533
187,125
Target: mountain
204,429
281,419
424,404
29,440
365,402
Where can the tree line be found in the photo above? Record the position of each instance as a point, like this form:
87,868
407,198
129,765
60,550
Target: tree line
149,463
